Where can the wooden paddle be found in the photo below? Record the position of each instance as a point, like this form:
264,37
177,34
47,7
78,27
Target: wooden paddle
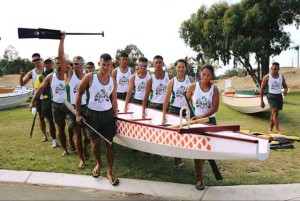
47,33
197,121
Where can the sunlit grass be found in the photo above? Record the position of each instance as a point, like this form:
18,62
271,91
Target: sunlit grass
19,152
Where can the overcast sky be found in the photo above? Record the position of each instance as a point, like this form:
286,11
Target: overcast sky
151,25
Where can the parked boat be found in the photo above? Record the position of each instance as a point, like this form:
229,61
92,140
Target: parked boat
243,103
194,141
13,97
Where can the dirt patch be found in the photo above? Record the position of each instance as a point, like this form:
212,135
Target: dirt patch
291,75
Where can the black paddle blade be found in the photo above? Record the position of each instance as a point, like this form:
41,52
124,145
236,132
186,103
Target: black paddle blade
28,33
39,33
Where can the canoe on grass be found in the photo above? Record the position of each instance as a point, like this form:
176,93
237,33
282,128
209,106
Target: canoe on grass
199,141
13,97
243,103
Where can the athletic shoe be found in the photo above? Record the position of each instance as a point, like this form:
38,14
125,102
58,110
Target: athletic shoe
54,144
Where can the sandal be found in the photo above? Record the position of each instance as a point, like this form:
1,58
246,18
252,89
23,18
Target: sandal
113,180
200,185
44,139
65,154
81,166
96,172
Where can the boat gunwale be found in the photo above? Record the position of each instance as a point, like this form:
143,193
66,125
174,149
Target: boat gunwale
193,131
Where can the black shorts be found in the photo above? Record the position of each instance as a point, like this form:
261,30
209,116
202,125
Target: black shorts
275,101
103,122
121,95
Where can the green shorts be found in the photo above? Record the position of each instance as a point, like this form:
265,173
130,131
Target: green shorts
158,106
275,101
103,122
58,113
72,122
46,107
121,96
39,105
176,110
212,120
136,101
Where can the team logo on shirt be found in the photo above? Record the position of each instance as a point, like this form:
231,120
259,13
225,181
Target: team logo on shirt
160,90
59,89
75,89
123,81
180,92
203,102
101,96
275,86
141,87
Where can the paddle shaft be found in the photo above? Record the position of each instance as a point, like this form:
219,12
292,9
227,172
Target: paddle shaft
197,121
32,126
102,34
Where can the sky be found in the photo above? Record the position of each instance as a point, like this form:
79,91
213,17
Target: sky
151,25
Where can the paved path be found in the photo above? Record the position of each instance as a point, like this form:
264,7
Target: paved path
159,190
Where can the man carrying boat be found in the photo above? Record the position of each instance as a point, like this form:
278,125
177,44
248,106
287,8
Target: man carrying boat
101,113
175,98
274,81
156,86
205,99
122,74
137,84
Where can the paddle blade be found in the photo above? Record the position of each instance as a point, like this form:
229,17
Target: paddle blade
28,33
49,34
39,33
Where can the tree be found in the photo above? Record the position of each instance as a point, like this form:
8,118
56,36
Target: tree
10,53
133,52
249,28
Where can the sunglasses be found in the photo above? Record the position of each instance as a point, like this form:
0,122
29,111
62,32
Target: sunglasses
143,65
35,60
78,63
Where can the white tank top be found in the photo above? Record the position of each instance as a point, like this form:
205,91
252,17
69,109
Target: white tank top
58,88
123,80
34,76
139,86
72,88
275,84
158,92
99,94
178,91
202,101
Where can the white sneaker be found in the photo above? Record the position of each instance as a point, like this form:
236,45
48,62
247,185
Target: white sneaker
54,144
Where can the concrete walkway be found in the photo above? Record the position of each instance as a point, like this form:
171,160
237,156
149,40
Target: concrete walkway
162,189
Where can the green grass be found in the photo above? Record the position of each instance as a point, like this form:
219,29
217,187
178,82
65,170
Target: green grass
19,152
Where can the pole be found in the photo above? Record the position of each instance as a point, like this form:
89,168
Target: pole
298,55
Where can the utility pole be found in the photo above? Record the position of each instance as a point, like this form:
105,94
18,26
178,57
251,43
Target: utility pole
298,54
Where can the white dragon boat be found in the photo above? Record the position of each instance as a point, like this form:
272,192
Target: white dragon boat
194,141
243,103
13,97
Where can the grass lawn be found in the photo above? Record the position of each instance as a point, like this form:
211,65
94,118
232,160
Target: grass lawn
19,152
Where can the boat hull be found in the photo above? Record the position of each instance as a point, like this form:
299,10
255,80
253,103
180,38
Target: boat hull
248,104
14,98
196,142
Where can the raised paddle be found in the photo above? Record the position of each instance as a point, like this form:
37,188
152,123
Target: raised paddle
47,33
